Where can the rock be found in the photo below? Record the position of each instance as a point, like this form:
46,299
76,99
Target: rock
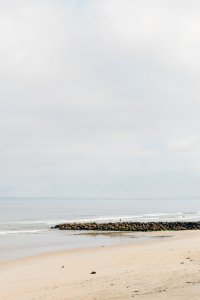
130,226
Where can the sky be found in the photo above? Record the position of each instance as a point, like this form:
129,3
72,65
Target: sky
100,98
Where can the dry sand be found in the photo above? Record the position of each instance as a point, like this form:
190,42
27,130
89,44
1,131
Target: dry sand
167,268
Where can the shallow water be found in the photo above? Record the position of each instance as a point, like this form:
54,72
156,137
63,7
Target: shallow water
25,222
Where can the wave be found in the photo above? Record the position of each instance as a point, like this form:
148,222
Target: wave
139,218
6,232
37,226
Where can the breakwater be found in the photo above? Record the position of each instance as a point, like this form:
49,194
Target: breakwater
130,226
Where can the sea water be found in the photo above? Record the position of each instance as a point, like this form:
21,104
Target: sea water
25,223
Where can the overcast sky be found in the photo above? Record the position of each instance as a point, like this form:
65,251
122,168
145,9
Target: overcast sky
100,98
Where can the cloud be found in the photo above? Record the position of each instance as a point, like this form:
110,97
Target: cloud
99,97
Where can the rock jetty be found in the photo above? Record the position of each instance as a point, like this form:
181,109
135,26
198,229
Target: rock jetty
130,226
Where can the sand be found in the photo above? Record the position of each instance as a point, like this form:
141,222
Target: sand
165,268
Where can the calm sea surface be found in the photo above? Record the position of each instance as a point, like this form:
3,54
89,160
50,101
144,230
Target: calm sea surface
25,223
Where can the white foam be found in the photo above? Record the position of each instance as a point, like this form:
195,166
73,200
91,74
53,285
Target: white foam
5,232
35,226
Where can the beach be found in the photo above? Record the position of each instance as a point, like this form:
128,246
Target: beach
99,150
167,267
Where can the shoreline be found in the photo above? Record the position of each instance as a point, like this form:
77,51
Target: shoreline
150,269
119,238
135,238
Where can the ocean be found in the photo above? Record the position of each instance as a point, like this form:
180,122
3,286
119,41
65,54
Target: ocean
25,223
